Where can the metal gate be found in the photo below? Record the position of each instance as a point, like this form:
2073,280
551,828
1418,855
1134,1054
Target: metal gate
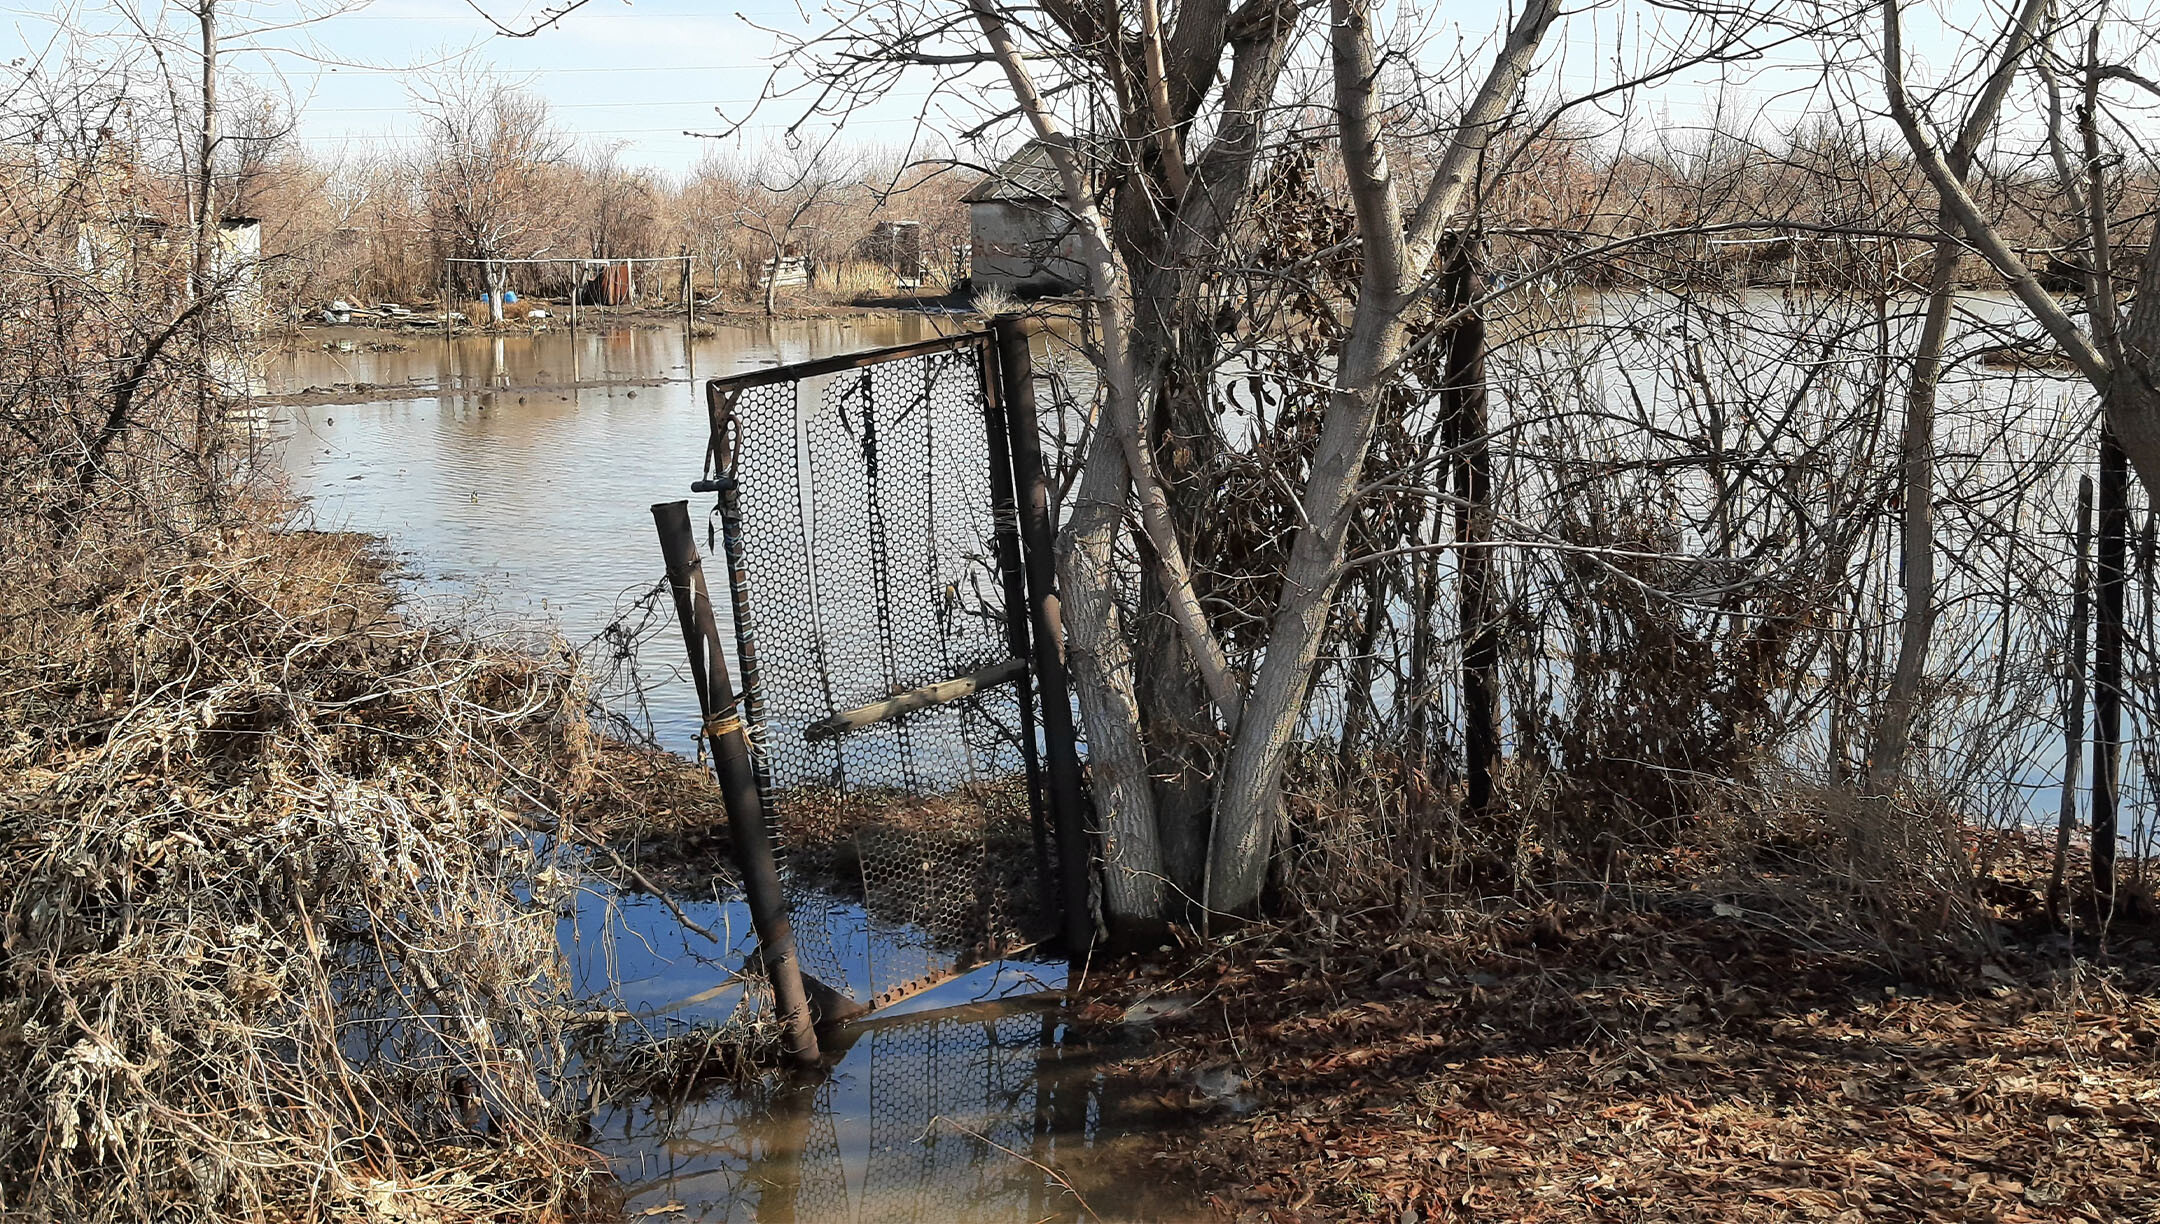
896,642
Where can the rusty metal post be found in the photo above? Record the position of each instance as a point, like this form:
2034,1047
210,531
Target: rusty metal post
1464,394
1038,538
1006,507
723,729
689,302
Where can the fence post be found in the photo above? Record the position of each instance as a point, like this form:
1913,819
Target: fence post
2074,706
689,302
1464,393
723,728
720,410
2114,502
1038,537
1005,505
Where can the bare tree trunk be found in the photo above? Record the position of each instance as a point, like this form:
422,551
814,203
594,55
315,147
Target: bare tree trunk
1916,629
1396,258
1183,743
1101,663
208,432
1177,340
205,201
1100,659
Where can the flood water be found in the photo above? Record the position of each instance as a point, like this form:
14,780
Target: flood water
513,476
977,1102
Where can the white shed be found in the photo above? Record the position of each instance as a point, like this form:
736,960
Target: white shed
1022,239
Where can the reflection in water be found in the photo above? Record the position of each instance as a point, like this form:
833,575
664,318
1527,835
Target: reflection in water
993,1113
976,1101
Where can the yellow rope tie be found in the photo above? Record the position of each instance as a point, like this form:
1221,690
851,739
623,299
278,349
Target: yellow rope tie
722,724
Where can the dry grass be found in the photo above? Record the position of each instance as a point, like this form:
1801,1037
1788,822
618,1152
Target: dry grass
959,865
266,954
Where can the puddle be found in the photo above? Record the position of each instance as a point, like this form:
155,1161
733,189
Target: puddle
975,1101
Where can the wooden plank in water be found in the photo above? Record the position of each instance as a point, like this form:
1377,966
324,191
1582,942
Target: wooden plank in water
915,699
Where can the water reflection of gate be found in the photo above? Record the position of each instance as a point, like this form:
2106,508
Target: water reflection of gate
882,618
951,1117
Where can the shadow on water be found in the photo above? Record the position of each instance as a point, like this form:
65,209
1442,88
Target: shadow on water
977,1101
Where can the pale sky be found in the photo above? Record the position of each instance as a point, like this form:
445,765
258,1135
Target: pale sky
642,72
638,73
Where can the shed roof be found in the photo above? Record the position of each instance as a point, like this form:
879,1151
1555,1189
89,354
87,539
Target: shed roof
1028,174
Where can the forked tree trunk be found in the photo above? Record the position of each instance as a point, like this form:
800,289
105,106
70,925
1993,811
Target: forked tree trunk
1397,255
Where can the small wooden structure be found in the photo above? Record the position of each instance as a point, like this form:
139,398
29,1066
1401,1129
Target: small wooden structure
1021,236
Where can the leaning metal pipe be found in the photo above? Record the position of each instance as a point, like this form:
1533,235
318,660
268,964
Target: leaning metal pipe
722,727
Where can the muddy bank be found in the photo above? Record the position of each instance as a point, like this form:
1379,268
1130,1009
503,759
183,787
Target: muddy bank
376,393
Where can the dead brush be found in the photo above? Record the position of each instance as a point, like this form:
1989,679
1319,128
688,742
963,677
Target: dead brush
1893,871
267,951
685,1064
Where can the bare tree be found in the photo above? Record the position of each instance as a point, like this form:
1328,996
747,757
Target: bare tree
2113,342
487,171
788,193
1893,732
1166,129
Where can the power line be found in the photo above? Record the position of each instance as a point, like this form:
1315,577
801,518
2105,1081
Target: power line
369,70
361,136
553,105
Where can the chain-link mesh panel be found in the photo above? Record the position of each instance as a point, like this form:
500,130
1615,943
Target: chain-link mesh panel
868,566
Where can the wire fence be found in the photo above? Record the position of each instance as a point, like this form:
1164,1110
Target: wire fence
868,568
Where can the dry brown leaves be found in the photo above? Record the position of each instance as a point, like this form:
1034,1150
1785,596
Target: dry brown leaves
1691,1062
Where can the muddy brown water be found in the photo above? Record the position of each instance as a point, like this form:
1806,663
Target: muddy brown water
513,477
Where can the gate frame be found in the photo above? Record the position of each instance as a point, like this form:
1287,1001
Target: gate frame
1024,541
